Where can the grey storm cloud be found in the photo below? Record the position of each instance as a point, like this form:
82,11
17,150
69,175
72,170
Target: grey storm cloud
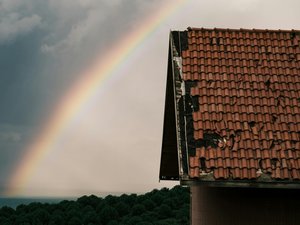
45,44
86,25
13,134
16,20
10,136
14,25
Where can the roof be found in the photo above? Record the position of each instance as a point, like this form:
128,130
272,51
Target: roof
236,111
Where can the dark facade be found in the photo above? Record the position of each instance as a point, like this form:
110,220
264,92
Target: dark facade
245,206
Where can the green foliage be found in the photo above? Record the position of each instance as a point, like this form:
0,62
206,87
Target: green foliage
107,214
158,207
122,209
138,209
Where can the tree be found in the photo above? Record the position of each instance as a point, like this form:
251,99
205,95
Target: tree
134,220
164,211
107,214
41,216
149,204
74,221
122,208
91,200
157,198
57,218
144,223
89,217
7,212
138,209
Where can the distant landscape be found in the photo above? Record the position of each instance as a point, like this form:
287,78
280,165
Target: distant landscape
158,207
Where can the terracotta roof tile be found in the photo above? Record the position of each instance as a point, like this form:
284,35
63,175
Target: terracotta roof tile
247,84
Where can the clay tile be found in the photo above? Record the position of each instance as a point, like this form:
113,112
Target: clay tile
242,153
207,163
293,163
274,154
294,136
297,148
284,163
277,174
297,165
191,172
234,154
192,161
290,154
211,153
285,173
236,173
202,152
194,172
258,153
243,163
227,152
219,163
235,163
250,153
216,174
219,153
253,174
265,154
228,163
268,163
212,163
282,154
243,173
252,163
286,135
295,174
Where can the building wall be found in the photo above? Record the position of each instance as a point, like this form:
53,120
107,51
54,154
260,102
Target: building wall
244,206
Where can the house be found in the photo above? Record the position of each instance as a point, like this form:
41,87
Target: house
232,124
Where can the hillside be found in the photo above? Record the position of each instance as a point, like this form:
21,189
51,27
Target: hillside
158,207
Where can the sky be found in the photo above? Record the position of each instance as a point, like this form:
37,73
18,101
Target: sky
61,138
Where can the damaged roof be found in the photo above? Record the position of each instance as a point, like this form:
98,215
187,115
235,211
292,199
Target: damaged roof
232,109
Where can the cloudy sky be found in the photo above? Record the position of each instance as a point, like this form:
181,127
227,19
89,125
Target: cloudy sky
113,143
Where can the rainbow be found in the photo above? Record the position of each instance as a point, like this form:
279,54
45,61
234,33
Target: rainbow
78,95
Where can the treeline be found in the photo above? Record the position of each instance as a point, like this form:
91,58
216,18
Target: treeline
158,207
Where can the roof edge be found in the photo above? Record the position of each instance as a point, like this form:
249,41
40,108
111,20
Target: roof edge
243,184
241,29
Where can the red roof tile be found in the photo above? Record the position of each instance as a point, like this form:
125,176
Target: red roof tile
247,87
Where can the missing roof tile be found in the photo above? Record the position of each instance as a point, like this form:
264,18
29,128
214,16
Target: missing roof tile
274,162
180,40
210,139
268,83
188,85
291,57
293,35
203,163
195,102
252,124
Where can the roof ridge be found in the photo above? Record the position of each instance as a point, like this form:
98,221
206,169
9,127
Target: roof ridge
241,29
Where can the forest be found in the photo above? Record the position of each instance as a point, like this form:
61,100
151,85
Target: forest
158,207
